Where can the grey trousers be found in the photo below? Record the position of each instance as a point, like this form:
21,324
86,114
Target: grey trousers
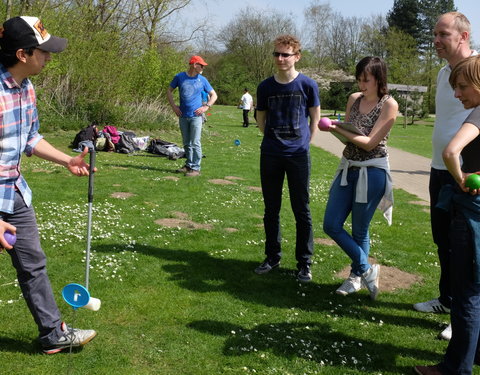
30,262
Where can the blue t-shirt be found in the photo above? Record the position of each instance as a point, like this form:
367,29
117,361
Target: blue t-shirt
190,89
287,130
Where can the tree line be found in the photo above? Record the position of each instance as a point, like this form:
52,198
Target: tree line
122,54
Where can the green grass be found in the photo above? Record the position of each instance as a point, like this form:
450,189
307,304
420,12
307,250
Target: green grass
416,138
186,301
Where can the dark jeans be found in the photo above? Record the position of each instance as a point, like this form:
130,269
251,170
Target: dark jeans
245,118
272,173
440,221
465,310
29,260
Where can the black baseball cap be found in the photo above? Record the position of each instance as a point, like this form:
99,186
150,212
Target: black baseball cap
26,32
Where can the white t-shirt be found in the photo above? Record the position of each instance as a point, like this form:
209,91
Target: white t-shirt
247,101
449,116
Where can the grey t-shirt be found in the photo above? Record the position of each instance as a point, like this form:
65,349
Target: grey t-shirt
471,152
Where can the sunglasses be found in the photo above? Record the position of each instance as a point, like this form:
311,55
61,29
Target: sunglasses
284,55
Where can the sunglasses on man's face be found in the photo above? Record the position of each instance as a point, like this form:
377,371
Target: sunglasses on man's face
284,55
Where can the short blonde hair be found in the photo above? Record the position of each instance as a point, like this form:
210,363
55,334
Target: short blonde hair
469,68
289,41
460,21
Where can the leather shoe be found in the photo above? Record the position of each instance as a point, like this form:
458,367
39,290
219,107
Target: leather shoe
428,370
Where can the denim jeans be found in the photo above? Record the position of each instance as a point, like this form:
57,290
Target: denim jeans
30,261
465,307
272,173
191,128
341,203
440,221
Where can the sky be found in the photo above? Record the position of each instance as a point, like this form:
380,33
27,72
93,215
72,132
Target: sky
220,12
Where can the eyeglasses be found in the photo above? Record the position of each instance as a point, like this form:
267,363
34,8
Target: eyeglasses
284,55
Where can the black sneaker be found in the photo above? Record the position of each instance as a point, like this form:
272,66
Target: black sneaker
304,274
266,266
72,337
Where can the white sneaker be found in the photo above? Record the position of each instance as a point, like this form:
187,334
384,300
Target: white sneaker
432,306
370,280
351,285
446,334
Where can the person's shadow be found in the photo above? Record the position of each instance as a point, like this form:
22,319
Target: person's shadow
315,342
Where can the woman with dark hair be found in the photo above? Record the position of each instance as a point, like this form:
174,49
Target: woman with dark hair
362,181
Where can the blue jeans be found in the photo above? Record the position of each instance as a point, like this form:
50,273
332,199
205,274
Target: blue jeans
440,221
341,203
272,174
191,128
465,308
30,261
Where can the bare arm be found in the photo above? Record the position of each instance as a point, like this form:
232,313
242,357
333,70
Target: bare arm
380,129
451,155
261,118
175,107
76,165
314,119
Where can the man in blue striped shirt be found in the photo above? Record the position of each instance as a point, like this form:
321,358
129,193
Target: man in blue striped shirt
25,48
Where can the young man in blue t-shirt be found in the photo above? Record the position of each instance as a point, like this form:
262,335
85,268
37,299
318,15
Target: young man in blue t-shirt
288,111
191,84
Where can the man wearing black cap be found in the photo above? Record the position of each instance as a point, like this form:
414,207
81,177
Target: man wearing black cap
25,47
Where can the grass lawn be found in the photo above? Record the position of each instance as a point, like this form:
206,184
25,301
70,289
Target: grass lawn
184,300
416,138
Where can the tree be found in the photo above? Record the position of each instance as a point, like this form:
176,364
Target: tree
249,38
403,61
336,97
373,36
317,17
405,16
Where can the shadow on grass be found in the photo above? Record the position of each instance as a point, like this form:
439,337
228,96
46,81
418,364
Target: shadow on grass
19,346
29,347
201,272
141,167
312,341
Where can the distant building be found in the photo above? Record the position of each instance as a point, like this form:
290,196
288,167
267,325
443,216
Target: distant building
406,89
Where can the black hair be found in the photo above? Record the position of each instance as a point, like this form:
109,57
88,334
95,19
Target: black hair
377,68
9,58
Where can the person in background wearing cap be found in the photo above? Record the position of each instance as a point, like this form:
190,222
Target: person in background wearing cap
25,47
191,84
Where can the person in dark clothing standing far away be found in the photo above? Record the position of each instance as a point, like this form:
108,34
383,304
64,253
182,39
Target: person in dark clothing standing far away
285,103
464,204
25,50
452,42
362,181
191,84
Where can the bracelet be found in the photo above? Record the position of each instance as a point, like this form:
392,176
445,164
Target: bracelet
208,105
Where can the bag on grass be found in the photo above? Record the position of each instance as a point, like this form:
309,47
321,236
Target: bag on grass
86,134
113,132
167,149
125,144
141,143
